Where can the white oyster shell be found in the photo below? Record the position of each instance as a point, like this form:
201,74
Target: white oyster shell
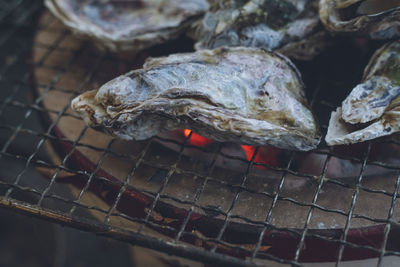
341,133
291,27
243,95
378,19
372,108
127,25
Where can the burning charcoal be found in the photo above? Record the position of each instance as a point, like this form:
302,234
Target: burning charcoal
243,95
372,109
127,25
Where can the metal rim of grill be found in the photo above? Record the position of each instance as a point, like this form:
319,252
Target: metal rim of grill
17,19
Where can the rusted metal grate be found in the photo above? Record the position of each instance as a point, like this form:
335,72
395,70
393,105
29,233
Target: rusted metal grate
91,200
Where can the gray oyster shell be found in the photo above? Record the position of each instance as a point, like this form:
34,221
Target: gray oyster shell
378,19
243,95
290,26
127,25
372,109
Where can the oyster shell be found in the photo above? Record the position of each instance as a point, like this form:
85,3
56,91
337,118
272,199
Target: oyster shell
373,107
125,25
378,19
243,95
292,27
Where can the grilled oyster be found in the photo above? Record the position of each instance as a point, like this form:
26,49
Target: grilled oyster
242,95
378,19
127,25
292,27
373,107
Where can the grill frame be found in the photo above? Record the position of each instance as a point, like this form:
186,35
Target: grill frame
179,248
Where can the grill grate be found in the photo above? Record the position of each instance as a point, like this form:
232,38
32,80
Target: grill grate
28,144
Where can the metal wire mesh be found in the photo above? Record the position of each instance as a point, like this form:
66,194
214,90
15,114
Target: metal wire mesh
26,138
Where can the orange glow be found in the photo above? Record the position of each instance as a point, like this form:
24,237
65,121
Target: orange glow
249,152
266,155
197,140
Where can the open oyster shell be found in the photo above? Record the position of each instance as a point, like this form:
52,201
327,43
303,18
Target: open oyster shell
378,19
292,27
127,25
373,107
243,95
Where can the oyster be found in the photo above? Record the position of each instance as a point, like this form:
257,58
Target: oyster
127,25
292,27
378,19
243,95
373,107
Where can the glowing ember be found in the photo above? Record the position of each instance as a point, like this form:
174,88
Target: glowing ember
266,155
250,152
197,140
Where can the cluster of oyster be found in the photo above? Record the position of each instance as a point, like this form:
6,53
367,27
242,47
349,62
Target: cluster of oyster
372,108
237,86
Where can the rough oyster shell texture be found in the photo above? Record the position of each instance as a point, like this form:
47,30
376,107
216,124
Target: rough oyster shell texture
292,27
378,19
244,95
372,109
127,25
